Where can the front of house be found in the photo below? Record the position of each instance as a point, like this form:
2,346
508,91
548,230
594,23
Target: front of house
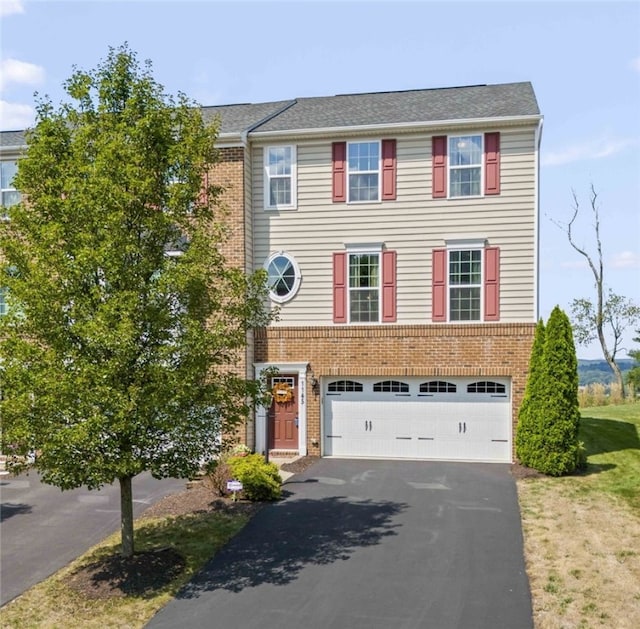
400,234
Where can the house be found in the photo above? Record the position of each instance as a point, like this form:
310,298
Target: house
400,235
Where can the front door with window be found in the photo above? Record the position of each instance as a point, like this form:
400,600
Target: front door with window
283,414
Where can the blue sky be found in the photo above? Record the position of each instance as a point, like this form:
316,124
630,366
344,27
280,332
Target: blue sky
583,59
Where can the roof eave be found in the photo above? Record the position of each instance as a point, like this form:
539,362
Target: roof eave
407,126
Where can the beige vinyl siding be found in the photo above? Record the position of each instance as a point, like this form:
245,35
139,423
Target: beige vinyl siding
412,225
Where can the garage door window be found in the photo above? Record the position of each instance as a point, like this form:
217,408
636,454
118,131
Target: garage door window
391,386
343,386
486,387
437,386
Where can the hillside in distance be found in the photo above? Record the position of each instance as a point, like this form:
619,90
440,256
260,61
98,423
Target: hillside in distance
591,371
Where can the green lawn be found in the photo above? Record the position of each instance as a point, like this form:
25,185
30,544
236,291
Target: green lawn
611,435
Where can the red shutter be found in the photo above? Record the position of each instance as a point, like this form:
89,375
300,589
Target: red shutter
339,287
388,286
388,170
339,160
492,163
492,284
439,167
439,285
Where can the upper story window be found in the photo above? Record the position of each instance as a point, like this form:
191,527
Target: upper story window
465,283
283,277
280,177
3,301
364,287
10,196
465,165
363,165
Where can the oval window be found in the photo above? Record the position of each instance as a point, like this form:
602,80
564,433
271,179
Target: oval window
283,277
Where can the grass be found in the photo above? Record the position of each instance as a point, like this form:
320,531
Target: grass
53,603
582,532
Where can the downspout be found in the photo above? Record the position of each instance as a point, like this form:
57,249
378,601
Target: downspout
538,138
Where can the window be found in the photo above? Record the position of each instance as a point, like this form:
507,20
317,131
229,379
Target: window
465,165
391,386
364,287
363,166
283,277
343,386
10,196
465,282
486,387
280,177
3,301
437,386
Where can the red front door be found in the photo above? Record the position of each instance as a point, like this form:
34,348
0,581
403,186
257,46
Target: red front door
283,414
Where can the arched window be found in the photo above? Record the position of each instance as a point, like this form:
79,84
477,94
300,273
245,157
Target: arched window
391,386
486,387
437,386
343,386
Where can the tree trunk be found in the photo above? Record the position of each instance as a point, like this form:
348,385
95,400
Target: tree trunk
126,516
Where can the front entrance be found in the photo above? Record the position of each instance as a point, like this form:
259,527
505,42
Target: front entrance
283,414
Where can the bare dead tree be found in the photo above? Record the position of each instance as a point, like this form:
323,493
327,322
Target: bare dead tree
612,314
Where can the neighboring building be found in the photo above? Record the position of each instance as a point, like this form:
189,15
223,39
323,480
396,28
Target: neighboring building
400,233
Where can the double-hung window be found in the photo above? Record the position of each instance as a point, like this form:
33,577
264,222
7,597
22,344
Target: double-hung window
363,165
364,287
465,165
280,177
3,301
465,284
9,195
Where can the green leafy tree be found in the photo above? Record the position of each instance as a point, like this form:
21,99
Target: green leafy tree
528,435
125,322
554,448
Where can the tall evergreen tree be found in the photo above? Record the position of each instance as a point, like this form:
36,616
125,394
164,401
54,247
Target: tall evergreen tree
528,433
116,357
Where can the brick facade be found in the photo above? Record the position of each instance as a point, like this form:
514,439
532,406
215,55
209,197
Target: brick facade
413,350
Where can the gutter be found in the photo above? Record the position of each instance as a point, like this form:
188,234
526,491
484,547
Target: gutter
536,262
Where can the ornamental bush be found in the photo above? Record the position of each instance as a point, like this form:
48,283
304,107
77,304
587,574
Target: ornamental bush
260,480
548,439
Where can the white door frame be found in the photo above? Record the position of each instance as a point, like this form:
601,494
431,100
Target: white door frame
261,411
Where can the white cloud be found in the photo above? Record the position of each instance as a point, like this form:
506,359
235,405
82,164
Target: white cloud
594,149
9,7
625,260
574,264
15,116
16,71
635,64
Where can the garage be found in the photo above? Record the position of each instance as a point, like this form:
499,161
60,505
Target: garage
453,419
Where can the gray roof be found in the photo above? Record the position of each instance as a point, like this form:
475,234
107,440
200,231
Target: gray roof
236,119
12,138
353,110
414,106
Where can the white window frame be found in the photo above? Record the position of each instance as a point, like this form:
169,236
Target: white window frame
4,308
378,172
466,245
368,249
10,188
269,176
451,167
281,299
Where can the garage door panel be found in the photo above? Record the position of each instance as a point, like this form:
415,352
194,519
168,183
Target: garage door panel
458,425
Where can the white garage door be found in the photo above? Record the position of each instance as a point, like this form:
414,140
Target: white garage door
465,419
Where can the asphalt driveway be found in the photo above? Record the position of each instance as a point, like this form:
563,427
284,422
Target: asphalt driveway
371,544
42,528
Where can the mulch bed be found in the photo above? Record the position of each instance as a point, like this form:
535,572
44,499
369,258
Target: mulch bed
519,471
146,572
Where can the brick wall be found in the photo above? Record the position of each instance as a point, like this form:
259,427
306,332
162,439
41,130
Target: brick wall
429,350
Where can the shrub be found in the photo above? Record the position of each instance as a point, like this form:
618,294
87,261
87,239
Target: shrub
217,474
260,480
